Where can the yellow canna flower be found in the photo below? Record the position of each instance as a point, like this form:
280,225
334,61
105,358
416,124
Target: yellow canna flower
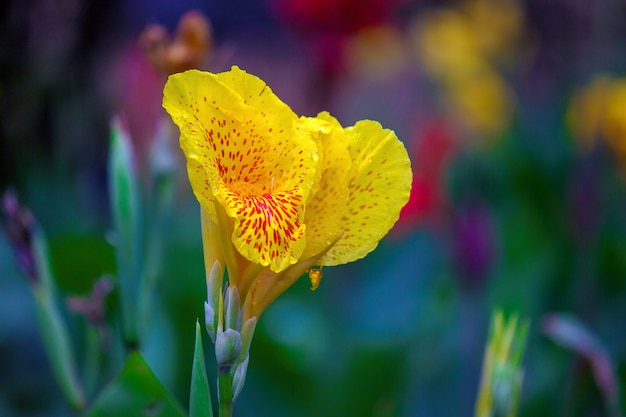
447,46
459,48
598,112
497,25
282,194
483,102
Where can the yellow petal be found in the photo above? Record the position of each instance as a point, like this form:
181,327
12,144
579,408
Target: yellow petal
379,183
328,203
244,153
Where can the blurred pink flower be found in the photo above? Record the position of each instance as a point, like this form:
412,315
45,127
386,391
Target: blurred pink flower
137,97
141,73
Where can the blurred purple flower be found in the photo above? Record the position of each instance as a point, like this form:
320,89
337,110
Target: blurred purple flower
19,225
584,201
473,243
92,307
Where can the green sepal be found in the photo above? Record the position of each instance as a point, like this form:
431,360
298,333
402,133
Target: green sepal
136,392
199,393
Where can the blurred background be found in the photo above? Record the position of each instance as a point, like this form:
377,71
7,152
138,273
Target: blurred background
514,116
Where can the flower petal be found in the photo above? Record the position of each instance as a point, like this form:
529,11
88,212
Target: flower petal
268,228
244,153
379,183
329,201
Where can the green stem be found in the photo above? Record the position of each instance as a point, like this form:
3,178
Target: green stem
225,383
93,359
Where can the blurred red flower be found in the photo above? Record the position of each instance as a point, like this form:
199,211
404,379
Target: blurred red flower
326,25
434,148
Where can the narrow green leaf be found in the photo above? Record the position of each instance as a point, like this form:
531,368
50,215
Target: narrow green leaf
53,330
136,392
125,206
199,396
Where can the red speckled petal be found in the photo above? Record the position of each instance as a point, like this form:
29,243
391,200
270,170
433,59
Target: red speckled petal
242,147
270,227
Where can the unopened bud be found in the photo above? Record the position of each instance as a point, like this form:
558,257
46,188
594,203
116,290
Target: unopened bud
209,319
214,298
227,347
233,309
246,336
239,379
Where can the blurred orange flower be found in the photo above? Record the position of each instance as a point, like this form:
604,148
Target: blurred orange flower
190,47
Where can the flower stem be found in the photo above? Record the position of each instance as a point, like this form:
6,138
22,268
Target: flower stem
225,383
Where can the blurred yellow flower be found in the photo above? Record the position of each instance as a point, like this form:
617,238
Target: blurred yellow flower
447,45
459,47
598,112
377,51
497,26
484,103
281,194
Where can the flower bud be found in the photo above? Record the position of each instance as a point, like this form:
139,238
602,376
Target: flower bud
214,297
246,337
239,379
209,319
233,309
227,347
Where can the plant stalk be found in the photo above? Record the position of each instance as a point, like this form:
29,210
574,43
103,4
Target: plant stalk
225,384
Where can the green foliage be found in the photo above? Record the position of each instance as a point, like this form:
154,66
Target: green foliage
200,395
135,392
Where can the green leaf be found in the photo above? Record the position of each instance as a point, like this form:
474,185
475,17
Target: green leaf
199,396
53,329
125,205
136,392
